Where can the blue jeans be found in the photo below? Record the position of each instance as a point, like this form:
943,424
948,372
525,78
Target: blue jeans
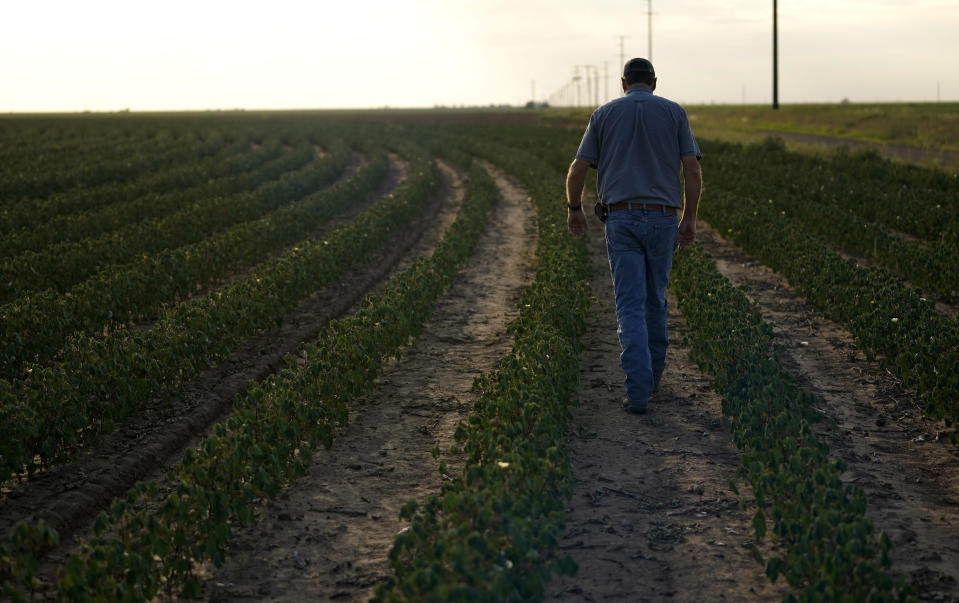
640,245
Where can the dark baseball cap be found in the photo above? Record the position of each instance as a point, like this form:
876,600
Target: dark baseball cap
638,66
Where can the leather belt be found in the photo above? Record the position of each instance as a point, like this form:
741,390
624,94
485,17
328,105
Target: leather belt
636,205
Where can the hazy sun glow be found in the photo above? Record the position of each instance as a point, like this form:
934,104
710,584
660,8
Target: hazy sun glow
109,55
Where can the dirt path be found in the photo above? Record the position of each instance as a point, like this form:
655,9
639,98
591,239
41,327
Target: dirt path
652,517
909,476
329,534
70,496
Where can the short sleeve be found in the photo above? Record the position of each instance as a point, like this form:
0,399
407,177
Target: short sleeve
687,143
589,146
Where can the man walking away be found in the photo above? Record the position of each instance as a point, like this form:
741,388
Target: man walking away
639,143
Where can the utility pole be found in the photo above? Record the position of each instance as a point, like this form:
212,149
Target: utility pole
606,81
592,83
577,78
775,57
532,95
649,29
595,85
622,59
589,85
588,82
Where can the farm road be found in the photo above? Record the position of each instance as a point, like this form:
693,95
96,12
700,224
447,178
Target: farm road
329,534
910,476
652,517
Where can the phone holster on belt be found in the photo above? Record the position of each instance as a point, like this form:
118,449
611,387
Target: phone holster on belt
601,211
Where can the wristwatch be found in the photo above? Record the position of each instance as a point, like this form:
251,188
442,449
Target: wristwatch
571,208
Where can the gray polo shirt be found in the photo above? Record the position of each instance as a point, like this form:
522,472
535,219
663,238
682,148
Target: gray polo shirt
637,142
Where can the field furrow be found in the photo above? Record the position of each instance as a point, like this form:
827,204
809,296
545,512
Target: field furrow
145,446
272,435
101,381
88,213
354,356
891,321
652,514
898,457
327,537
135,292
64,264
120,158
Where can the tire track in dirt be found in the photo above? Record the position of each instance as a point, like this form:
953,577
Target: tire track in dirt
892,452
70,496
329,534
652,517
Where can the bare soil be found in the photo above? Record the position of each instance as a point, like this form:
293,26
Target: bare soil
653,517
70,496
895,455
328,535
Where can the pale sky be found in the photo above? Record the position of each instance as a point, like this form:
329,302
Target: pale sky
102,55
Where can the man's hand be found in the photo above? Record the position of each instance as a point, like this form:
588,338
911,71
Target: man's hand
692,188
575,181
687,232
576,222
